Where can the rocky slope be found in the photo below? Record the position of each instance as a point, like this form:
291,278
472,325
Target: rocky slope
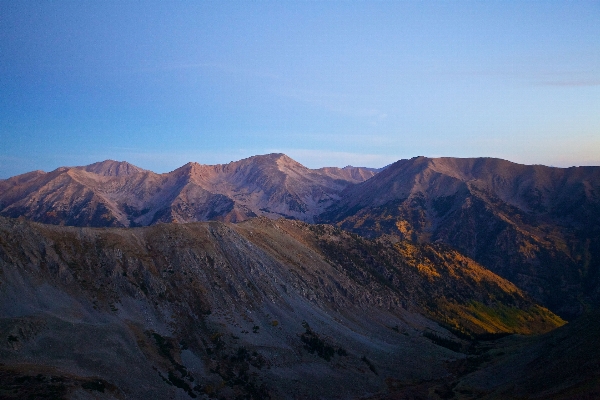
260,309
562,364
559,365
114,193
537,226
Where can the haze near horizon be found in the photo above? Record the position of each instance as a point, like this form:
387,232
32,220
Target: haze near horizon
327,83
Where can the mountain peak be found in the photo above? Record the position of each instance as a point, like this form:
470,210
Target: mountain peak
112,168
190,166
273,184
271,157
287,162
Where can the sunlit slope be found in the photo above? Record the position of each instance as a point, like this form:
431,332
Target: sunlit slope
431,278
537,226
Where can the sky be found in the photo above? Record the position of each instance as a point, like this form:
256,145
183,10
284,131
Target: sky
329,83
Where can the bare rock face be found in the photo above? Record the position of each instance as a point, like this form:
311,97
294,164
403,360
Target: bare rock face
112,193
537,226
113,168
261,309
350,173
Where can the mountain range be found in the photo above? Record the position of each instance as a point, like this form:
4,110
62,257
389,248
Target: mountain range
119,194
536,226
263,278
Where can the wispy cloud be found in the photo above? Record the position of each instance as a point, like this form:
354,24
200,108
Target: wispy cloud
528,75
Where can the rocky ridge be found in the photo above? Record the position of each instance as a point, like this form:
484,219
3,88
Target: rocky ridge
112,193
537,226
260,309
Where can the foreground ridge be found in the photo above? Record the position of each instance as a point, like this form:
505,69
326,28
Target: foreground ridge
260,309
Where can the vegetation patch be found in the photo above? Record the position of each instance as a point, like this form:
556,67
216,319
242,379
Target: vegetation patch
166,348
503,318
315,344
45,383
235,369
369,364
97,386
443,342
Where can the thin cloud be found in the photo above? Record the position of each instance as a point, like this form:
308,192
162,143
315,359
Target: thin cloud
575,78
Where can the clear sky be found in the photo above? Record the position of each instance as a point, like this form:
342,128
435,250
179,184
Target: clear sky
329,83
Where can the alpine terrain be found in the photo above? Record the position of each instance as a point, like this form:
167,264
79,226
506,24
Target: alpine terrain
434,278
112,193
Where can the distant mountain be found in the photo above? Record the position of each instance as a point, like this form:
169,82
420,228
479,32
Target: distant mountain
537,226
111,193
260,309
113,168
350,173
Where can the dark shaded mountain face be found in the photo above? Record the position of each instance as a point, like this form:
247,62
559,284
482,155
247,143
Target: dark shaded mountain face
562,364
559,365
113,193
537,226
260,309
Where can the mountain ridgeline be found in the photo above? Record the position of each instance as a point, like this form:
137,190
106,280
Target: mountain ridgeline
537,226
260,309
119,194
262,279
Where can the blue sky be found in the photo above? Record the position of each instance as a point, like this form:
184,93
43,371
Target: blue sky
329,83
